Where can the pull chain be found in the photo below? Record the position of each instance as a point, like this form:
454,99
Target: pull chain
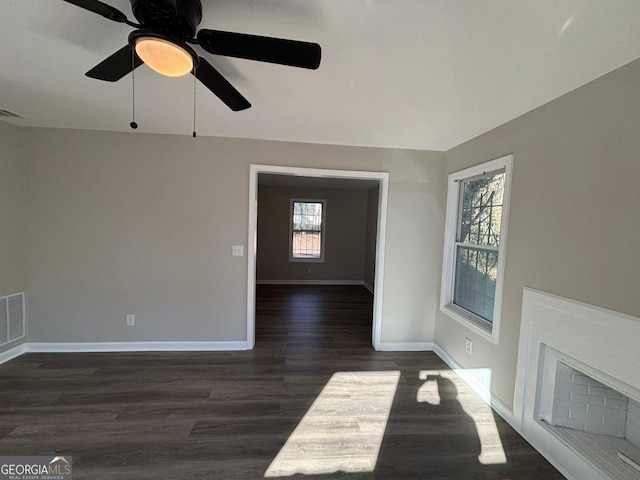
194,101
133,123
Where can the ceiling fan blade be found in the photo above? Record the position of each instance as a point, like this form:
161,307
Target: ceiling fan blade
100,8
263,49
214,81
116,66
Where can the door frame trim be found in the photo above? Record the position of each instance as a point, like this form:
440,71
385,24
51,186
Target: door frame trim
381,177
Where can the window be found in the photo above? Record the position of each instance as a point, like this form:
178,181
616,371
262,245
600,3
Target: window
477,211
307,231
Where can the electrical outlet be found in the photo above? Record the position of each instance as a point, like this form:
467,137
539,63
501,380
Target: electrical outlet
131,320
237,250
309,270
468,345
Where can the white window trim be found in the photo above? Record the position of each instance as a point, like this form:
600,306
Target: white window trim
466,318
323,235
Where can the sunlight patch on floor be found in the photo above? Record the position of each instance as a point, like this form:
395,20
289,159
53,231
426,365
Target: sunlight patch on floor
492,451
343,429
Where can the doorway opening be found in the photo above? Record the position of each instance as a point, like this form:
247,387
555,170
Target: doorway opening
310,177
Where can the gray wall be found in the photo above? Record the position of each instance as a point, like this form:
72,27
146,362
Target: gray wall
373,197
345,227
12,211
128,223
574,221
12,214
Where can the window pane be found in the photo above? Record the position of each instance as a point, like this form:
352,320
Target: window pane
306,244
475,282
307,216
481,211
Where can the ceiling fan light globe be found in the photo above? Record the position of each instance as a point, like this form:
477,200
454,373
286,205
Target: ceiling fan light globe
164,57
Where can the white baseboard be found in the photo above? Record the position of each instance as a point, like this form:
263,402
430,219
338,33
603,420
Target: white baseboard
13,353
310,282
368,287
137,346
478,386
78,347
406,346
469,379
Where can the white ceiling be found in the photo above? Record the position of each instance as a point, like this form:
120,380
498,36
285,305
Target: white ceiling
418,74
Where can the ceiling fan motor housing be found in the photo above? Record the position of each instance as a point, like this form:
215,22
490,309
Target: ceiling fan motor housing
175,18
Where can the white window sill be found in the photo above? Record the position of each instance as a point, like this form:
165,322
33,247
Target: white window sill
468,321
306,260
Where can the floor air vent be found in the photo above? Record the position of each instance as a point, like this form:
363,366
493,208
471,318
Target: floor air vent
11,318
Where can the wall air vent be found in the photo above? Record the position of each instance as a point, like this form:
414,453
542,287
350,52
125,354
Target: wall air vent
9,114
12,318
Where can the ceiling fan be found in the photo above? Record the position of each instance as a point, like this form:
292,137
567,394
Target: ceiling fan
162,38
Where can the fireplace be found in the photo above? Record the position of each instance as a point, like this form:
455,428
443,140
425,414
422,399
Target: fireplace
577,389
592,413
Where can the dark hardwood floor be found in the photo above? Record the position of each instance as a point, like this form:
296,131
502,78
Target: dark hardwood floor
241,415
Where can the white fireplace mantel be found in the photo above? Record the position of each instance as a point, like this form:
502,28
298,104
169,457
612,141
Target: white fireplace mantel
604,343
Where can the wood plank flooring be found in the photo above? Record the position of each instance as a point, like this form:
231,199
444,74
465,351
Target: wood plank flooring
227,415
